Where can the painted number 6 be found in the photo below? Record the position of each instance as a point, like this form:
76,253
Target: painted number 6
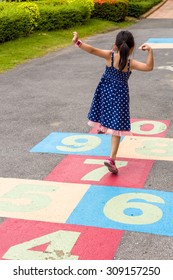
134,208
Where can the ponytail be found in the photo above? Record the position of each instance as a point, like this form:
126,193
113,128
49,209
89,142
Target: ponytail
124,42
124,53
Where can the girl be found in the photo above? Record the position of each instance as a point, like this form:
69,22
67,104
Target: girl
110,105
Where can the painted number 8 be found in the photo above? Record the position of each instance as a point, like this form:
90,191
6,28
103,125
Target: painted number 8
133,208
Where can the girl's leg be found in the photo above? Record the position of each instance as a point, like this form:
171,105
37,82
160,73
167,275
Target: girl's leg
115,146
110,163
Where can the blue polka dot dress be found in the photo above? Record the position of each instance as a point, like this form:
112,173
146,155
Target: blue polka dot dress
110,105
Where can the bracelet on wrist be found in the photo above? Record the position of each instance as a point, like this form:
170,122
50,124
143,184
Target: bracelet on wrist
78,43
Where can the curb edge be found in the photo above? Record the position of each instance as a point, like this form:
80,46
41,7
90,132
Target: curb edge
152,10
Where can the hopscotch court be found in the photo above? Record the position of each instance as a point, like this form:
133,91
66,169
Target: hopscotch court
80,210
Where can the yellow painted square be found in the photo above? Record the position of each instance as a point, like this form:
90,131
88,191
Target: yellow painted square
153,148
160,45
39,200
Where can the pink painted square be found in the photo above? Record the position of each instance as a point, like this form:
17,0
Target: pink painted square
34,240
91,170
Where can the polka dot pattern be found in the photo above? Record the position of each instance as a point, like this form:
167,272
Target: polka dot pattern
110,105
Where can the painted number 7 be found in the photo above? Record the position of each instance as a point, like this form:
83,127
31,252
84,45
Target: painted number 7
98,173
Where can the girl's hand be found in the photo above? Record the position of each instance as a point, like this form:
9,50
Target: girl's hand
75,37
145,47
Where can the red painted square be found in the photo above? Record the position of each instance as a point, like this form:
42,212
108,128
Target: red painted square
91,244
88,170
144,127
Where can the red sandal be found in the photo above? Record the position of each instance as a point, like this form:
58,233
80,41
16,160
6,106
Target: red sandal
110,164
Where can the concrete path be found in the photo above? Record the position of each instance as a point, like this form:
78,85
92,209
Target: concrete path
165,11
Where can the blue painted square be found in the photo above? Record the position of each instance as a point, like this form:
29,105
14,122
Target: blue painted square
75,143
160,40
129,209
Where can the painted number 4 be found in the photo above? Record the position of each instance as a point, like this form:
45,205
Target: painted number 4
59,245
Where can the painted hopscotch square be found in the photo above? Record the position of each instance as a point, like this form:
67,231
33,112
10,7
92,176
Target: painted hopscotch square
150,128
160,40
32,240
74,143
39,200
150,148
160,43
144,127
91,170
136,210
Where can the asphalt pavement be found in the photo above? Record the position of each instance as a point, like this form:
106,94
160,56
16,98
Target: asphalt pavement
53,93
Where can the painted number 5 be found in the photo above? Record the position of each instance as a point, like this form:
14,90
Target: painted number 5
134,208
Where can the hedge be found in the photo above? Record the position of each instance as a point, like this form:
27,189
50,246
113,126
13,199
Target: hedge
33,11
17,21
89,4
61,17
21,0
20,19
138,7
113,10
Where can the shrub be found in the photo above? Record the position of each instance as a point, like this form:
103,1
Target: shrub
14,24
86,3
58,17
54,2
17,20
138,7
2,6
21,0
33,12
113,10
20,19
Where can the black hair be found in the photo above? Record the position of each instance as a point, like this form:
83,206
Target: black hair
124,42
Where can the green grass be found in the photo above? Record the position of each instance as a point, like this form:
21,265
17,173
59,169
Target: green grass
15,52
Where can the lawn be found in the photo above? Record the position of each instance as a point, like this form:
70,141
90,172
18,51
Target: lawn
38,44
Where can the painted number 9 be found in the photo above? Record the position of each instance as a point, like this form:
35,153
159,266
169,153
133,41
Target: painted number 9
134,208
79,143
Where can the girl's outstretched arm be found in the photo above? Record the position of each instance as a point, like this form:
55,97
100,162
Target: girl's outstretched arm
148,66
90,49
